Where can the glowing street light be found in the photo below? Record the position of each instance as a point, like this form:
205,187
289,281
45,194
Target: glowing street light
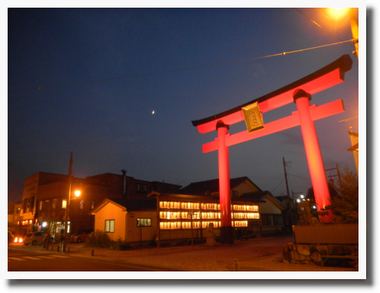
339,13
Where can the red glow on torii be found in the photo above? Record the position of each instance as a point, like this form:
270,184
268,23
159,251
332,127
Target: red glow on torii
299,92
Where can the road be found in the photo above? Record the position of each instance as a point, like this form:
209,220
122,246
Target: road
34,258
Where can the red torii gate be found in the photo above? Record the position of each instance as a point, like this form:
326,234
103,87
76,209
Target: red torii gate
299,92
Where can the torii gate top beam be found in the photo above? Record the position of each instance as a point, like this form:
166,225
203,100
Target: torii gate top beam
320,80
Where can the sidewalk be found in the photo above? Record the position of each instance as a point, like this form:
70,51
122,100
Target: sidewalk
260,254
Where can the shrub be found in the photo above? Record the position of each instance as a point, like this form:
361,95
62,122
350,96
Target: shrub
98,239
119,245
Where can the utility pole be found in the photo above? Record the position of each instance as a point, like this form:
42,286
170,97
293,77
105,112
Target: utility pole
286,176
337,170
69,177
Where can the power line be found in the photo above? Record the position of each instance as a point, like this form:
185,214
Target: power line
304,178
277,186
317,24
181,69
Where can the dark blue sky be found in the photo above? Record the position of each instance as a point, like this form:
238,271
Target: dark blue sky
87,80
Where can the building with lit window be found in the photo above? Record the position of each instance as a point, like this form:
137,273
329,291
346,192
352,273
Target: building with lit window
169,217
45,199
177,216
242,188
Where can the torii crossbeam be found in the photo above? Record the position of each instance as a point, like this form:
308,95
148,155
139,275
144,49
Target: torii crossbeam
299,92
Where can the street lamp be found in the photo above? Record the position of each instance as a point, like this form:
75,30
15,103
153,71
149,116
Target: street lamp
339,13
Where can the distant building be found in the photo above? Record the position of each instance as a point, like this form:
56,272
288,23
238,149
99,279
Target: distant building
238,187
14,211
187,213
242,188
45,195
169,217
290,213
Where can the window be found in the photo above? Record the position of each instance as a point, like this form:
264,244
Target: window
32,199
92,204
141,187
169,205
54,203
144,222
190,205
81,204
278,220
64,203
109,226
25,204
267,220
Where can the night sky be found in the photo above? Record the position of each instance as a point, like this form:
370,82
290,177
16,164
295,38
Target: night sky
88,80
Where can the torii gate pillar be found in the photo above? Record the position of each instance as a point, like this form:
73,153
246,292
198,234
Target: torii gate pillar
313,153
226,230
299,92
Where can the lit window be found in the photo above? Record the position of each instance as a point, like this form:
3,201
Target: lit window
169,205
190,205
240,224
187,225
210,215
109,226
81,204
64,203
207,224
253,215
170,225
144,222
47,204
54,203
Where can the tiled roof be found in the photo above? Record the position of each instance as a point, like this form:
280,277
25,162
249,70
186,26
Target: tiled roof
211,186
257,196
136,204
262,196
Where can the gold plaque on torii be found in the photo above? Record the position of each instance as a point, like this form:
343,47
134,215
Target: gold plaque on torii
253,117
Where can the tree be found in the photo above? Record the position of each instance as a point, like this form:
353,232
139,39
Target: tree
345,203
